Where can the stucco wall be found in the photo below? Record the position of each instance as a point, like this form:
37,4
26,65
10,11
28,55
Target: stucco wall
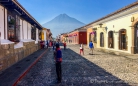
29,31
88,34
25,29
2,22
116,25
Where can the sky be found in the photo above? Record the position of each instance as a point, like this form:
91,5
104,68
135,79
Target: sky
85,11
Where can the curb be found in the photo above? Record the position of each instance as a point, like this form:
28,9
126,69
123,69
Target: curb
25,72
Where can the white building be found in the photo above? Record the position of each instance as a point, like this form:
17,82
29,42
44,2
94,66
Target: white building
19,33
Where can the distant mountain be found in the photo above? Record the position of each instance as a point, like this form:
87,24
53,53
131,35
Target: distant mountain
62,24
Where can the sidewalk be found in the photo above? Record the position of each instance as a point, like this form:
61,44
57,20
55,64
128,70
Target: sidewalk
13,74
112,52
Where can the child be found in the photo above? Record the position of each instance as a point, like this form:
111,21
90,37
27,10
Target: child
81,49
58,60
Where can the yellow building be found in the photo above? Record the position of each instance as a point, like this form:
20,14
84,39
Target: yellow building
43,34
117,31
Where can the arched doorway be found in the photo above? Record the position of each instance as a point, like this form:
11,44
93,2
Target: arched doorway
110,39
122,39
136,37
101,39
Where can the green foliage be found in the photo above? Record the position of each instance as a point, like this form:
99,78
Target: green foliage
12,22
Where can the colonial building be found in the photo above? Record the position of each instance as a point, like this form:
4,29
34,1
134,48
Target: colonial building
43,34
63,37
78,36
19,33
49,35
117,31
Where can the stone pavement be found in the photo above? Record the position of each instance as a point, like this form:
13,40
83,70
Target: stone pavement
124,67
12,74
77,70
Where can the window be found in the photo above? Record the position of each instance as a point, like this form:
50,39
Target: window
101,39
13,22
33,33
110,39
39,34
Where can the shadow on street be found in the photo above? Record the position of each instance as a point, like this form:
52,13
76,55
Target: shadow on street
76,70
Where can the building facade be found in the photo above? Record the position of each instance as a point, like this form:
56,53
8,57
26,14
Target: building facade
19,33
78,36
117,31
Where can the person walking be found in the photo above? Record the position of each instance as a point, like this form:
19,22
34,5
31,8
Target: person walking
91,46
58,60
47,44
64,45
54,44
81,49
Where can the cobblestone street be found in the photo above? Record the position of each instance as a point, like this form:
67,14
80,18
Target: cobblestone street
100,69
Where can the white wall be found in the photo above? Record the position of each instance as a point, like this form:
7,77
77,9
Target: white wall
121,23
36,33
6,24
25,29
2,21
29,31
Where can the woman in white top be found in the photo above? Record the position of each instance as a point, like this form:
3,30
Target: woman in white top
81,49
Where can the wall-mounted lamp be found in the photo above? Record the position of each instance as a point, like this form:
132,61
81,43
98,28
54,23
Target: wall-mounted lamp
100,25
104,28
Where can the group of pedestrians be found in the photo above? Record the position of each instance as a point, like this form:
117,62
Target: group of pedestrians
91,46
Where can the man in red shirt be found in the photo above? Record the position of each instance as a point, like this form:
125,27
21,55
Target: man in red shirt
64,45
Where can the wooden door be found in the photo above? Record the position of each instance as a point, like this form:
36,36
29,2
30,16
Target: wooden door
136,38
